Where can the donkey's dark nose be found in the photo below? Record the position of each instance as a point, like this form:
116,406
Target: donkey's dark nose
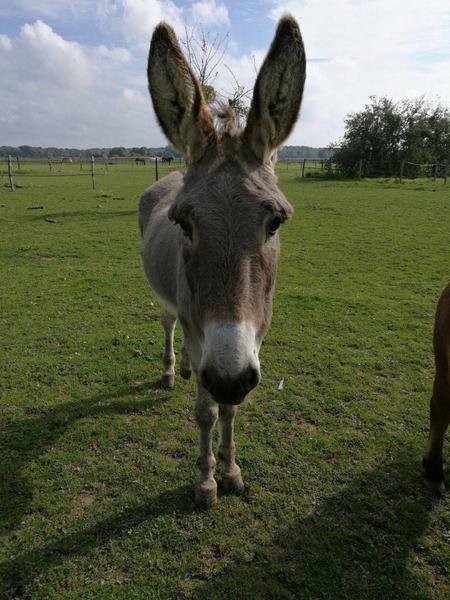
227,390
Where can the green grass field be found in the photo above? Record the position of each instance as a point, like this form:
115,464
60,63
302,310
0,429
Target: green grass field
98,463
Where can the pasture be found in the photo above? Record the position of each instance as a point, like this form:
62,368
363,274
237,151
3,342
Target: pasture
97,461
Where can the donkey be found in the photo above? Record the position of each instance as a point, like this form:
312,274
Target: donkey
210,243
440,400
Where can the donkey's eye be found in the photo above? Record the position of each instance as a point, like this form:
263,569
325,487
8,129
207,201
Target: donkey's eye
187,229
273,225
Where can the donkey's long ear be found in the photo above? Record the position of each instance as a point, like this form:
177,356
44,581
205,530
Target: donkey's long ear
176,94
278,91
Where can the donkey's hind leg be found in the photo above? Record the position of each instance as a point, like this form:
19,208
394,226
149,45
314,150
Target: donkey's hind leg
168,373
439,421
185,363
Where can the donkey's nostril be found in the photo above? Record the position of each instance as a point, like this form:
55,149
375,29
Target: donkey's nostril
250,379
227,390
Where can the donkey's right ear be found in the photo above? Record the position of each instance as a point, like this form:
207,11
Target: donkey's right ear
177,97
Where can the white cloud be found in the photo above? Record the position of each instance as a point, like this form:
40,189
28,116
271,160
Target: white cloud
209,12
140,17
58,92
381,47
135,97
5,43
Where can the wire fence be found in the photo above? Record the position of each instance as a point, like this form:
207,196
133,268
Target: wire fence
370,169
15,170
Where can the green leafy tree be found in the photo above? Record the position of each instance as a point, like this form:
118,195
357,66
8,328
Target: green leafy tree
386,132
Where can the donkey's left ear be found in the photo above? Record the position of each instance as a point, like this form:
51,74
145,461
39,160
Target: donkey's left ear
177,97
278,91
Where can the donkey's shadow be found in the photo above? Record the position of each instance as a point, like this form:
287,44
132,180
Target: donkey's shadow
24,439
361,542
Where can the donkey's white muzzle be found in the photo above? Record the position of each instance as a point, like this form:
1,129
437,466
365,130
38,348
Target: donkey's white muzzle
229,368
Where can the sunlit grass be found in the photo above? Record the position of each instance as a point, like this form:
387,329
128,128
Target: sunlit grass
98,463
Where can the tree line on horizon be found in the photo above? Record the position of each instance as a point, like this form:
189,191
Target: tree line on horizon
288,152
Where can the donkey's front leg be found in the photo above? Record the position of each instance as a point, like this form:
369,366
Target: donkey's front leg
168,322
230,471
206,412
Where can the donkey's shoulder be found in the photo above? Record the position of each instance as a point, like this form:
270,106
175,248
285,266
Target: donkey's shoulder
163,191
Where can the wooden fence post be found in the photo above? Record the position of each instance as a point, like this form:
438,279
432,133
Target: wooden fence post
156,168
81,164
435,168
93,171
445,172
105,164
303,167
402,169
50,164
360,169
18,163
10,174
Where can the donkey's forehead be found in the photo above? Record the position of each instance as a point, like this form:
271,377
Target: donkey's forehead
231,181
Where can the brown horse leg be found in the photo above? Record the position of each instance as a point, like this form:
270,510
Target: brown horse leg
206,412
230,471
439,421
168,373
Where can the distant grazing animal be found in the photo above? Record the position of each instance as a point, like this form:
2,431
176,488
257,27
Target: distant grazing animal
167,159
210,242
66,159
139,161
440,400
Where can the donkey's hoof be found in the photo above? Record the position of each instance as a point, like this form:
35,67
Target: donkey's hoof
233,485
167,380
206,494
185,372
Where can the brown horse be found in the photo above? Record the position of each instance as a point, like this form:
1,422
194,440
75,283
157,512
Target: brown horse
440,400
210,243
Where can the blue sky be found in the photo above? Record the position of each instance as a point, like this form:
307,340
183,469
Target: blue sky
249,20
74,70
